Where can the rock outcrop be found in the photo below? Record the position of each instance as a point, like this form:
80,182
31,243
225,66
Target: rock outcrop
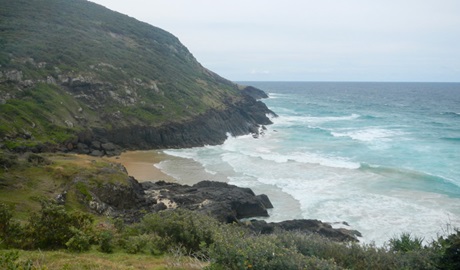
210,128
253,92
306,226
227,203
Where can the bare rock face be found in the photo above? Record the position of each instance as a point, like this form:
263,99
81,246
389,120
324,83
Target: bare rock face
253,92
14,75
227,203
210,128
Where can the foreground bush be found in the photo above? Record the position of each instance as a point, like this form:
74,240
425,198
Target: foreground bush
223,246
235,248
51,228
405,243
10,230
359,256
450,247
180,228
10,260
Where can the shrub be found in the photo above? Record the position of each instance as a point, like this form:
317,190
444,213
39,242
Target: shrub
137,244
187,229
9,260
450,258
10,230
106,242
119,225
405,243
354,255
79,242
235,248
53,227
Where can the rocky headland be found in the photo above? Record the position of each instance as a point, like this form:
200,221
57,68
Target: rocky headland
104,83
226,203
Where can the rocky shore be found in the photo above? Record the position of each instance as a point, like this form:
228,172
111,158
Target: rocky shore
210,128
227,203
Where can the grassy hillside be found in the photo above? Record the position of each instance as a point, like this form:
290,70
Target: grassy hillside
67,66
27,179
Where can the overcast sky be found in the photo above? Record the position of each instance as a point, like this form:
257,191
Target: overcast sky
303,40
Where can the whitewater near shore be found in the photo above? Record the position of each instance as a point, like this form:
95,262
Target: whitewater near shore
379,156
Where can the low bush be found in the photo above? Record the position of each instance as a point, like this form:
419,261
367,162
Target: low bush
405,243
9,260
106,243
187,229
10,230
450,246
79,242
137,244
223,246
235,248
53,227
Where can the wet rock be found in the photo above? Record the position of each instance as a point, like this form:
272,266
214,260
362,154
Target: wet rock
265,200
307,226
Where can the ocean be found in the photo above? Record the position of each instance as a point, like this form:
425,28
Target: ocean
382,157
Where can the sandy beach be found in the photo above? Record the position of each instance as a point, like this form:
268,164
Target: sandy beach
140,165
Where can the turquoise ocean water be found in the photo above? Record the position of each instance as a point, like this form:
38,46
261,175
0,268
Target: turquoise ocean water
384,157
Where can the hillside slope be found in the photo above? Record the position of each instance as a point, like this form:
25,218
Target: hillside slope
75,76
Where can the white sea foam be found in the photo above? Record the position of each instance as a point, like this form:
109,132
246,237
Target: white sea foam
337,197
370,134
309,158
275,95
329,188
183,153
301,119
314,158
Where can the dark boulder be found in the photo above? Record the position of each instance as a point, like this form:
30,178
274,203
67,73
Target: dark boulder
227,203
265,200
306,226
253,92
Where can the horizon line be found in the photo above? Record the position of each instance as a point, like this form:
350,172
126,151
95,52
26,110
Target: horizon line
346,81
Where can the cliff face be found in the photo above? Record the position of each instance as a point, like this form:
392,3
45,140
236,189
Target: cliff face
75,76
211,127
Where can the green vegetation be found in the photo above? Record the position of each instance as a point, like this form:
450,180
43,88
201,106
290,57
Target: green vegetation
67,235
213,245
38,117
27,179
68,66
64,260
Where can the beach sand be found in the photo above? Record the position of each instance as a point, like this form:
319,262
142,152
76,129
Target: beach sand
140,165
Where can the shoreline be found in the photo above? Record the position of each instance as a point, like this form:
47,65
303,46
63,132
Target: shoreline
140,164
143,166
